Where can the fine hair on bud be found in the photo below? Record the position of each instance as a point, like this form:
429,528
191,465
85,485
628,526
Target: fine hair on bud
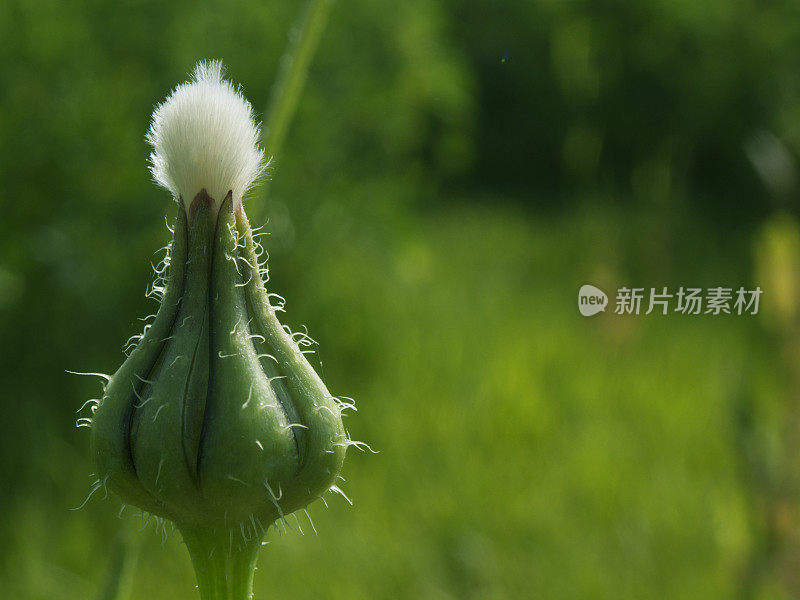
204,136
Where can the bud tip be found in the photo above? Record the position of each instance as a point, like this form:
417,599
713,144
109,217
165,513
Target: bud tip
204,136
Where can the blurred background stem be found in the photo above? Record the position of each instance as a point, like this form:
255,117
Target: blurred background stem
303,41
121,565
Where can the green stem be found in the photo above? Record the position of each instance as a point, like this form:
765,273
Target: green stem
303,41
122,563
224,562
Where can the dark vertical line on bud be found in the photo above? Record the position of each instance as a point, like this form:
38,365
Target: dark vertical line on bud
189,454
130,420
211,342
192,337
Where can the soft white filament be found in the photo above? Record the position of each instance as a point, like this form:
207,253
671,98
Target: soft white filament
204,137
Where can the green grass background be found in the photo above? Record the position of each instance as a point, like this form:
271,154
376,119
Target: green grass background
432,216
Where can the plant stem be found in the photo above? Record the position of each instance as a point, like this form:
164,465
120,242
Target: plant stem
303,41
223,562
117,582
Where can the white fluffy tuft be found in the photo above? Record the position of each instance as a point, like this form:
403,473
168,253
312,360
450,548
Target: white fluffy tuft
204,136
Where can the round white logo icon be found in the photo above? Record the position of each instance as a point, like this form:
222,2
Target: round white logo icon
591,300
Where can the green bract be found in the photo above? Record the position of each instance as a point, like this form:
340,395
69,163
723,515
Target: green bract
216,420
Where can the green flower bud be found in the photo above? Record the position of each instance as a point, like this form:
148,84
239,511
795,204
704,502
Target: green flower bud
216,420
217,417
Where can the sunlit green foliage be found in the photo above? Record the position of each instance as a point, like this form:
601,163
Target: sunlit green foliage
455,172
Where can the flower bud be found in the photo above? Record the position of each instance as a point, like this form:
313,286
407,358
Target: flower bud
216,420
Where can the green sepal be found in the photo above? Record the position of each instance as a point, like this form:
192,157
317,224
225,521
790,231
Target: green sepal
111,421
249,446
165,432
324,439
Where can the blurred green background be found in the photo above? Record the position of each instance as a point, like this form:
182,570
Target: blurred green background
455,172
